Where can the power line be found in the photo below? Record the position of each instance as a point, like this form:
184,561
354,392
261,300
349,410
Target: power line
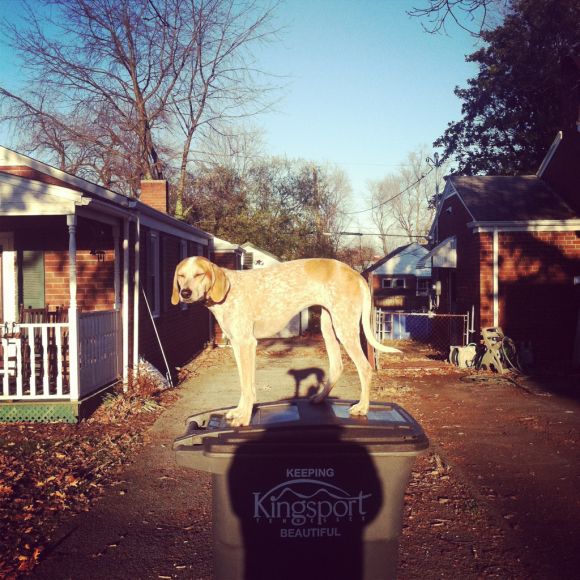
394,196
376,234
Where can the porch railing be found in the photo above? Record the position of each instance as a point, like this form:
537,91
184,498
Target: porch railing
99,349
34,357
35,361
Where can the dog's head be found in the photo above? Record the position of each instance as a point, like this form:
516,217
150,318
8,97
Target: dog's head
197,279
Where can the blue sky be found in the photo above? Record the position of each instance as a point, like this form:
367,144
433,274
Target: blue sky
364,84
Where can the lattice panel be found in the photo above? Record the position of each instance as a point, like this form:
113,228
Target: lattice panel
39,412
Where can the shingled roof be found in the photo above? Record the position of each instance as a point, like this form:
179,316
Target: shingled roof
510,198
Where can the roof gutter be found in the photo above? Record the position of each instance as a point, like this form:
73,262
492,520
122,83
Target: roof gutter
525,226
152,218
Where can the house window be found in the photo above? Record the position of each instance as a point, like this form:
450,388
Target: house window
166,272
423,285
182,255
152,281
182,249
31,279
394,283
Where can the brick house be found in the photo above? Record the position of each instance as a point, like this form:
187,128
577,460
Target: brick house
509,247
401,280
85,285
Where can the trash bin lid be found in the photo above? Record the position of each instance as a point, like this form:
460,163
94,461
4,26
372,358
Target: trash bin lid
387,427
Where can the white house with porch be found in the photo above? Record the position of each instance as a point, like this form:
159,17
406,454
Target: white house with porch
85,283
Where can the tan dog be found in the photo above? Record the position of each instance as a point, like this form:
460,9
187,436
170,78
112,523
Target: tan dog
259,303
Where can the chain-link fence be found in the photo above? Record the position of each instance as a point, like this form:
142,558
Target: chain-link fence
439,331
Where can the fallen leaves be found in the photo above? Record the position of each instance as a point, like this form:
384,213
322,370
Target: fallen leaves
48,471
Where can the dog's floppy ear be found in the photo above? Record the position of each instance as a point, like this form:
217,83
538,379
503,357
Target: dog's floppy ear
175,293
220,284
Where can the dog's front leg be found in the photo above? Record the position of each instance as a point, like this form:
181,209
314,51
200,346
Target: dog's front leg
245,355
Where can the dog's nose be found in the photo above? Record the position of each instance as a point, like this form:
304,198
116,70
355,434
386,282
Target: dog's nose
186,293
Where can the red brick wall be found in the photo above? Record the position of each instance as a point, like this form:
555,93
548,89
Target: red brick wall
156,194
453,222
398,298
95,280
537,298
485,256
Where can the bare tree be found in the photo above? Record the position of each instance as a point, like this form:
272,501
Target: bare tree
403,203
121,79
412,210
357,255
473,16
333,192
239,148
381,215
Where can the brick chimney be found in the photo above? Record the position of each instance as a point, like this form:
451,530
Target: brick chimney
155,193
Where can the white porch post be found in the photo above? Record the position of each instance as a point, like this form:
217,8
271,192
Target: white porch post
125,302
118,303
136,288
8,275
495,251
71,221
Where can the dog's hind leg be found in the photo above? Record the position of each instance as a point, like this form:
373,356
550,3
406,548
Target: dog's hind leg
347,331
245,355
334,356
365,373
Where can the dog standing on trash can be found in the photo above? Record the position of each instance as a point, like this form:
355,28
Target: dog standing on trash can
259,303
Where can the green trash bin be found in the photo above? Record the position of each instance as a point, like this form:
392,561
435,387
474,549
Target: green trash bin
305,491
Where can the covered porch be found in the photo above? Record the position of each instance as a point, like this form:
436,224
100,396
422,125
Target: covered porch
64,298
35,365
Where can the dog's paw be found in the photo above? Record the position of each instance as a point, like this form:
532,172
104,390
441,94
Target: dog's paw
240,421
239,418
360,409
232,414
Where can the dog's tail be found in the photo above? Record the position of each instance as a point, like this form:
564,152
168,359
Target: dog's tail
366,321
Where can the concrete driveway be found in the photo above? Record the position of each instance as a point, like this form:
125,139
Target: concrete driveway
156,522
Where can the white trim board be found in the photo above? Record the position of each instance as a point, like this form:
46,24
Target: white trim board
526,226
